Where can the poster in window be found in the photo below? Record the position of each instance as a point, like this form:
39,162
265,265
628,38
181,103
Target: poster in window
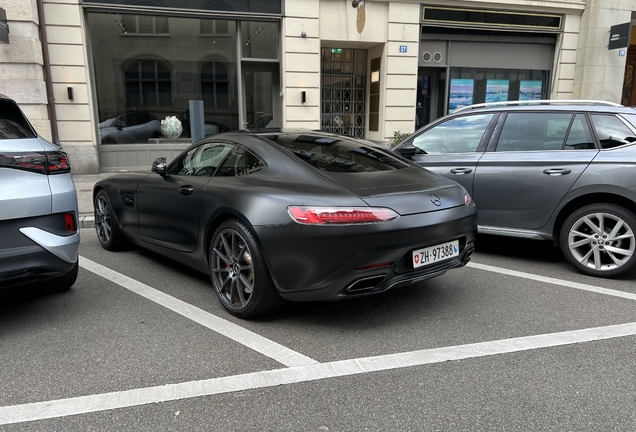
530,90
497,90
461,93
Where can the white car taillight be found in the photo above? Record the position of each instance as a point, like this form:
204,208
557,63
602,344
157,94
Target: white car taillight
41,162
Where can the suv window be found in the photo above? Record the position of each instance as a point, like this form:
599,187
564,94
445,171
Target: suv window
457,135
580,137
13,125
534,131
631,118
611,131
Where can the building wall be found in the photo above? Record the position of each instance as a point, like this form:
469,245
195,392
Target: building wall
21,64
300,64
599,72
583,67
68,56
23,74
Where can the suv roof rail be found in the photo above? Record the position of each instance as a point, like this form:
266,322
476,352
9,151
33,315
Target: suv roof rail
539,102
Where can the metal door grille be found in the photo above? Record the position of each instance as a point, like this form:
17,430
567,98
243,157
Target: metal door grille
343,90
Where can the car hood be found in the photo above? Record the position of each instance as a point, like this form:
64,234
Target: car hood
407,191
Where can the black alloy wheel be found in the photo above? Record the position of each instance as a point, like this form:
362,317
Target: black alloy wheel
239,274
600,240
105,223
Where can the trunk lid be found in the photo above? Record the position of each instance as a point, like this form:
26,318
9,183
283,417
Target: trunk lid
407,191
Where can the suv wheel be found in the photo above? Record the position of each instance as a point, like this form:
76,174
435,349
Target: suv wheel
599,240
63,283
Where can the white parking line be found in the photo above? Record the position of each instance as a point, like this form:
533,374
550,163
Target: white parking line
271,378
554,281
237,333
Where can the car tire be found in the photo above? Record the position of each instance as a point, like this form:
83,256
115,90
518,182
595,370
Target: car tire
240,276
599,240
63,283
106,225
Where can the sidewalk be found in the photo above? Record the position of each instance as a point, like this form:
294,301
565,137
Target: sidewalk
84,185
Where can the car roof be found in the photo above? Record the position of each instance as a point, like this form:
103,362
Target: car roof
548,105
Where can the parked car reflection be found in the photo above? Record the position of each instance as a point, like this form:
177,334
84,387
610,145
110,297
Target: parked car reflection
130,127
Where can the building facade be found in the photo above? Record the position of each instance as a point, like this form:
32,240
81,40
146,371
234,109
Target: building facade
98,76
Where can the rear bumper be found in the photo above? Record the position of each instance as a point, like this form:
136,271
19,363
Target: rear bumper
311,263
29,254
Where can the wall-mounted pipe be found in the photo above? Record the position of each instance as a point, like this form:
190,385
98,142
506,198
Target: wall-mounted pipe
47,74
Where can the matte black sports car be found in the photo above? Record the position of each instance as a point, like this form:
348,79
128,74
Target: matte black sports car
291,215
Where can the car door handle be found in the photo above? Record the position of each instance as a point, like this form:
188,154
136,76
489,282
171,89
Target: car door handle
186,190
557,171
461,171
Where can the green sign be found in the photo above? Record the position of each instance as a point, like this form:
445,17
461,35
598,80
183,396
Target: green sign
336,50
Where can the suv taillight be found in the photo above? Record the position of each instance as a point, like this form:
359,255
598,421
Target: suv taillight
42,162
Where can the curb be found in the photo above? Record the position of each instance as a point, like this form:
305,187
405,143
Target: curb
86,221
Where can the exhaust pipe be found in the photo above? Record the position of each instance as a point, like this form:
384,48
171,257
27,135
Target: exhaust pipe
467,256
365,284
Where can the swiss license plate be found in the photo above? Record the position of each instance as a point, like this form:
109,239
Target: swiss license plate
437,253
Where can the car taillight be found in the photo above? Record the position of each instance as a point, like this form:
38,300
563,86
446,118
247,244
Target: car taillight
69,221
340,215
41,162
468,200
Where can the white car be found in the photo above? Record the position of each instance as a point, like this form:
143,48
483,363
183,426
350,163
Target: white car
38,207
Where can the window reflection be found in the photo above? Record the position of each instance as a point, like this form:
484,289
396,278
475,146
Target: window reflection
154,65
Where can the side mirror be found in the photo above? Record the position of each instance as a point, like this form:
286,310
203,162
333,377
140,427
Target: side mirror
159,166
406,151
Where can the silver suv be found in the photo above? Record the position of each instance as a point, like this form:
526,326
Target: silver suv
557,170
38,207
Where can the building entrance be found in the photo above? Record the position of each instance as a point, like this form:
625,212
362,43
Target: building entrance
343,90
431,92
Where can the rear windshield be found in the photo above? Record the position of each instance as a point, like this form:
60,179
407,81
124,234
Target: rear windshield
13,125
338,154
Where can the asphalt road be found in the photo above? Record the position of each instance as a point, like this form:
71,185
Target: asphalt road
515,341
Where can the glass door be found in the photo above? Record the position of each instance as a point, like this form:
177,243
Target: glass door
431,87
261,95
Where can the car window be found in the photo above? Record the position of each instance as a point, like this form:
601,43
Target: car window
534,131
611,131
631,118
202,160
457,135
580,137
240,162
13,125
338,153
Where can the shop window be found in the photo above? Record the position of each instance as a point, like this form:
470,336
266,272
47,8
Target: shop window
148,83
260,39
132,25
478,85
215,85
210,27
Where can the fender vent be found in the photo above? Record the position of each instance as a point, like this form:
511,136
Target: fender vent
127,198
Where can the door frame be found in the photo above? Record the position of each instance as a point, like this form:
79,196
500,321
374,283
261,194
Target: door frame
260,66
